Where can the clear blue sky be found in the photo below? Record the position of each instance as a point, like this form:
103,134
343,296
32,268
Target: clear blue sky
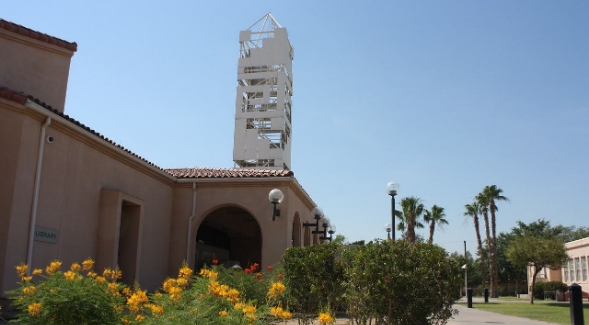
443,97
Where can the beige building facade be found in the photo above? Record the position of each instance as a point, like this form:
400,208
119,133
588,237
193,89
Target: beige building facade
68,193
574,271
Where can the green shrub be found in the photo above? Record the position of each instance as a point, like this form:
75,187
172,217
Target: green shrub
314,277
539,290
548,289
401,283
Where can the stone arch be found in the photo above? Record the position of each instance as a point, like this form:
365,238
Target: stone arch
231,235
296,231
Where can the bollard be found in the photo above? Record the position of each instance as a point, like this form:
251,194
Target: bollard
576,300
469,297
486,295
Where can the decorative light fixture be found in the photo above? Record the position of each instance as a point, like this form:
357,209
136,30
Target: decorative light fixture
331,231
392,190
321,219
275,196
388,228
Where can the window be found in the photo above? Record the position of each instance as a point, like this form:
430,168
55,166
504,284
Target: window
566,272
584,267
578,269
571,271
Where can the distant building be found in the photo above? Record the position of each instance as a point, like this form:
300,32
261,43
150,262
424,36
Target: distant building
575,271
68,193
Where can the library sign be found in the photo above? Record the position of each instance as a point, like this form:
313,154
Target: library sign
46,235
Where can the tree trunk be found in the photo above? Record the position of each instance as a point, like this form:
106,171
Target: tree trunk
531,289
489,245
481,253
431,232
493,249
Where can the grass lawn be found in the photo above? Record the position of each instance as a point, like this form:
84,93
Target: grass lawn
558,313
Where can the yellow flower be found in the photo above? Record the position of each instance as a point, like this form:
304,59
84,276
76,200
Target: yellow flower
92,275
37,272
53,267
27,278
75,267
239,305
175,293
276,289
185,272
155,309
100,280
182,282
35,309
29,290
278,312
232,295
325,318
136,300
223,313
249,309
22,270
139,318
113,289
127,292
169,284
70,275
125,321
88,264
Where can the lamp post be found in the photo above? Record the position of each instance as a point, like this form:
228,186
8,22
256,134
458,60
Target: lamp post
387,228
392,190
275,196
465,279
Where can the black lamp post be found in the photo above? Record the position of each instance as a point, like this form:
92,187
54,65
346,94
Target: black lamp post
275,196
392,190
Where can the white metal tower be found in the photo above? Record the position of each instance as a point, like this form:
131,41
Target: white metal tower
263,103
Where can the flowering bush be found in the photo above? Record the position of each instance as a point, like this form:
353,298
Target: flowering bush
76,296
81,296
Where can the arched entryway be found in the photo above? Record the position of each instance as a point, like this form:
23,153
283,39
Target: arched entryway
231,235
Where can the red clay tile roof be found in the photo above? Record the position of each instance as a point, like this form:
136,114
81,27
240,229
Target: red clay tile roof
21,30
21,98
201,172
14,96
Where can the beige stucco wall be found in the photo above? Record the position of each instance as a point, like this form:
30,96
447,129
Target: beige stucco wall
34,67
76,168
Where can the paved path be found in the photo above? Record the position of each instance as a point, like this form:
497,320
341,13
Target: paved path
470,316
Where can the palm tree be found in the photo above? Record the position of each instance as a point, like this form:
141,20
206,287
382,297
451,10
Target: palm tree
493,194
473,210
435,217
483,202
412,211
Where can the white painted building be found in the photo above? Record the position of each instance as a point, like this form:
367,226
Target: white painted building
263,103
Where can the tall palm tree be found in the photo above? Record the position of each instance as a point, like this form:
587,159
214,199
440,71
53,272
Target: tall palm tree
483,202
412,211
493,194
435,217
473,210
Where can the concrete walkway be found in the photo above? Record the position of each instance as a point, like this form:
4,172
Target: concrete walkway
470,316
